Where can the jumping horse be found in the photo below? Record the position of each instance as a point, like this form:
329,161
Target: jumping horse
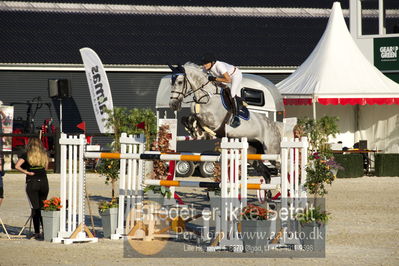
209,115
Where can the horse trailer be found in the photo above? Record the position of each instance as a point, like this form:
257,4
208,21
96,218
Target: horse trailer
261,95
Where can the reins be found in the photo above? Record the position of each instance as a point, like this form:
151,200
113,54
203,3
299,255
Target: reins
185,92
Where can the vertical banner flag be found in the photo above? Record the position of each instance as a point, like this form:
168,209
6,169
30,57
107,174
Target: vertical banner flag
100,91
6,126
6,120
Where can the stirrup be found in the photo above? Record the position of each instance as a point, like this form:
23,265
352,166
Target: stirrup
235,122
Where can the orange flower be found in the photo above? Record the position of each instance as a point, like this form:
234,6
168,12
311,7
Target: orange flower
52,204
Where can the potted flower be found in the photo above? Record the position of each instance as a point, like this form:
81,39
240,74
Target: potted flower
51,217
257,226
109,216
313,229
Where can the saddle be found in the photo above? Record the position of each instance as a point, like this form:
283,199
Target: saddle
194,127
228,104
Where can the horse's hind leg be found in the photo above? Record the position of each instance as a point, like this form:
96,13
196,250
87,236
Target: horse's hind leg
187,122
262,170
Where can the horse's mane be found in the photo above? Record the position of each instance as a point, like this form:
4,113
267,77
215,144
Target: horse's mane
193,65
198,74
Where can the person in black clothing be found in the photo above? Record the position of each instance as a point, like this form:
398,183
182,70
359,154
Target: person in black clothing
2,116
34,163
1,180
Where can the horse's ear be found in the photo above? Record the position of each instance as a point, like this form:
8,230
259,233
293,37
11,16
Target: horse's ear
174,69
180,68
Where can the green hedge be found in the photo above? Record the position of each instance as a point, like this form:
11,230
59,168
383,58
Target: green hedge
352,164
387,164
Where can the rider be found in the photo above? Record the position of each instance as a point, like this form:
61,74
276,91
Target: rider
225,73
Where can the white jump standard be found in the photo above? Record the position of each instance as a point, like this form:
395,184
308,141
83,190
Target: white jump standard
72,192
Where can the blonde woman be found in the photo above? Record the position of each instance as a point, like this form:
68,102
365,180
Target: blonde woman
34,164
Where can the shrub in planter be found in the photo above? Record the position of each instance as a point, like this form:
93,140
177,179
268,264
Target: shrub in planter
159,194
321,170
109,216
313,229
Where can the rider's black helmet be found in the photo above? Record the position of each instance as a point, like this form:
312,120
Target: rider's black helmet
208,58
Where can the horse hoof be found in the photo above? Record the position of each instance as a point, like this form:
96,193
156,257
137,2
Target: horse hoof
235,122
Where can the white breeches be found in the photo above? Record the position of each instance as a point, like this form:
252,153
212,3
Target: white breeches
235,83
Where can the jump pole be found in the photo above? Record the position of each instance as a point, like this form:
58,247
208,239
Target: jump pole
176,157
175,183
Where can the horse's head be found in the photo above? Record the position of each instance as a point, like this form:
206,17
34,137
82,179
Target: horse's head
178,88
186,80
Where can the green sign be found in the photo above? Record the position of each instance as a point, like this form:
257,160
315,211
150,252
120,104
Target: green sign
386,53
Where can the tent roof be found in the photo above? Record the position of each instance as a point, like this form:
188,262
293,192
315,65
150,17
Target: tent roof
337,72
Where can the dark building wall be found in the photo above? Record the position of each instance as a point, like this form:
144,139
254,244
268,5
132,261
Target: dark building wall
129,89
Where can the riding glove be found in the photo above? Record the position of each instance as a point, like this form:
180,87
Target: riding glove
211,78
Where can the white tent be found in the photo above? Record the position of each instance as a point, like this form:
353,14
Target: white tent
337,73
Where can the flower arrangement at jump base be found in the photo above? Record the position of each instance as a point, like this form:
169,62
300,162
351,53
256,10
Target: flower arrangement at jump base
105,205
53,204
109,216
313,215
257,226
252,213
51,217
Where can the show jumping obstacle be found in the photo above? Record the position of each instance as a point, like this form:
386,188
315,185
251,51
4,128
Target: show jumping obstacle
234,182
72,192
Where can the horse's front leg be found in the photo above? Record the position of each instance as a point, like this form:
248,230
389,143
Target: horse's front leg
190,123
185,120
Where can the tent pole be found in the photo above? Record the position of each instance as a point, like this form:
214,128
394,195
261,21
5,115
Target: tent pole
314,108
357,109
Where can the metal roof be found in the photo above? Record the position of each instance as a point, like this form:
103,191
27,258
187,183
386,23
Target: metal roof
259,34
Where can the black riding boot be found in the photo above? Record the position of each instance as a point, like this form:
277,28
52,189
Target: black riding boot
235,121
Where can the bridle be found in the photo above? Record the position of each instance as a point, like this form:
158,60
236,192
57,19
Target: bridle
188,90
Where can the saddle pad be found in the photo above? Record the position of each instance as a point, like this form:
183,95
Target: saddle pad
225,97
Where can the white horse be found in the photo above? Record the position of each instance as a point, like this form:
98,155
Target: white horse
207,109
